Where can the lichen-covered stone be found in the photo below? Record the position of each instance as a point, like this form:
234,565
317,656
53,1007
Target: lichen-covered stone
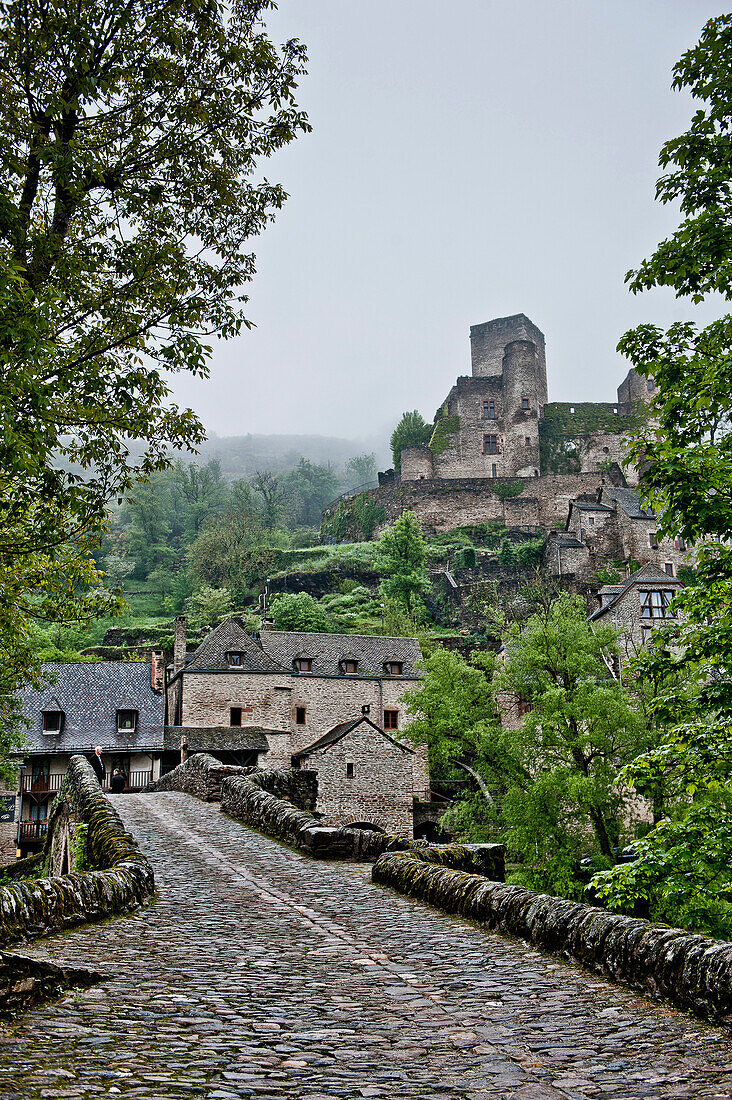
201,775
694,972
121,878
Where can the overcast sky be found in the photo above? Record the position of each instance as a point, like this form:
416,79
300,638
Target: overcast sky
469,159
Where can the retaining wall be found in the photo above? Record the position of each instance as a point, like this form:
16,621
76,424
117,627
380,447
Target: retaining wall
121,878
694,972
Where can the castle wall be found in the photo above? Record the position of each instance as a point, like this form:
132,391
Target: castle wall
416,462
488,342
443,504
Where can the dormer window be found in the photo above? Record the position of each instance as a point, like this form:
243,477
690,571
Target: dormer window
126,721
303,664
393,668
53,721
235,660
350,667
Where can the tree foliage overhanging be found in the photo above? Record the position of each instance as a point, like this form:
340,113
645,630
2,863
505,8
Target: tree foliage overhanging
130,139
684,867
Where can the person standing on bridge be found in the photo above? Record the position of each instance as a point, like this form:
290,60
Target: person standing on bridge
98,764
117,783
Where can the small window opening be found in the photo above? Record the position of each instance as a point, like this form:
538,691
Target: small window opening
234,660
349,771
490,444
525,404
653,540
680,543
300,716
304,664
523,706
494,470
394,668
350,667
235,716
527,441
53,721
489,410
591,521
126,721
391,719
650,385
669,568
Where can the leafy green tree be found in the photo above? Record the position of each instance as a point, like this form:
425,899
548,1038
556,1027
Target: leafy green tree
582,725
361,470
453,710
402,551
298,611
128,196
208,606
233,551
683,870
547,788
312,487
411,430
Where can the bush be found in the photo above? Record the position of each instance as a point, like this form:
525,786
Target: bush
298,611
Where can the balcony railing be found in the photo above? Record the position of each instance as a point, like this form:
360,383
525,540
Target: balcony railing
32,830
41,784
135,781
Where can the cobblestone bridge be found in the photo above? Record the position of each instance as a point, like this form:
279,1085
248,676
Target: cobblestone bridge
258,972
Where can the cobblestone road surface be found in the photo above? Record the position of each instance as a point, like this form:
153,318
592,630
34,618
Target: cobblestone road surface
258,972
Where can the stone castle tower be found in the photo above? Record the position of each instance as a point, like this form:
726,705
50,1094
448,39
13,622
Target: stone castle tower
497,423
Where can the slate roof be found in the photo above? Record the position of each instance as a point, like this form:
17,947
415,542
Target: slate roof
230,636
326,650
218,738
90,694
340,731
629,501
591,506
647,574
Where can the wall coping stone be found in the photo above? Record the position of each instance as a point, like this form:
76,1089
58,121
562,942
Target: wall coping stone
693,972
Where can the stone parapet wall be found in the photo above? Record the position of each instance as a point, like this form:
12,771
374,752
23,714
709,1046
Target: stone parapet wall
694,972
245,800
201,775
121,878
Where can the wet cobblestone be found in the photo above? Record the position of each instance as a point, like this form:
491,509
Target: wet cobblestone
260,973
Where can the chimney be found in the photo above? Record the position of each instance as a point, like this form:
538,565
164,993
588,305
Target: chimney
157,680
179,644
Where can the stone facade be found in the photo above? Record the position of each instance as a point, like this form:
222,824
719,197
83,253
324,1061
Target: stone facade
611,527
363,777
286,691
638,606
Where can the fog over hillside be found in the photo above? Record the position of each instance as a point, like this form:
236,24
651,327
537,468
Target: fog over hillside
245,455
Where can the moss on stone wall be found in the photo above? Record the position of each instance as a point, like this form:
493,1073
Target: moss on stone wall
442,437
359,515
565,435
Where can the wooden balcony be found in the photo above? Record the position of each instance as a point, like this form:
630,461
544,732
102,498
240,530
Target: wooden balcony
43,783
32,831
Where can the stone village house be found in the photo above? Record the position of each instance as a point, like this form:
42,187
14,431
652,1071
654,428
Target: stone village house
119,705
636,607
281,697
